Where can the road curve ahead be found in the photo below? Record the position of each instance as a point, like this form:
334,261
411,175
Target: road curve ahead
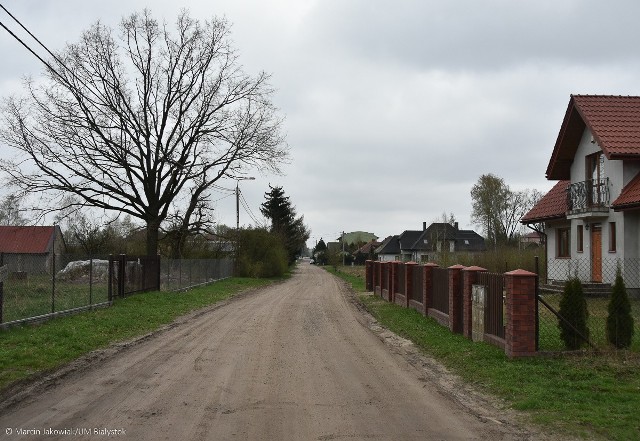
289,362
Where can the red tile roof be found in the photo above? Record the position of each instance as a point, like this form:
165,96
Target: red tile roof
26,240
614,122
553,205
629,196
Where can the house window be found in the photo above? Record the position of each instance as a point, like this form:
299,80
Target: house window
580,240
563,242
612,237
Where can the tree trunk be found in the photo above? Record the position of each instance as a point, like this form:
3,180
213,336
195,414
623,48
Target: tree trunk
153,228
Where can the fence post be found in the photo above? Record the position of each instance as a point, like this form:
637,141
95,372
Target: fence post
368,270
455,298
409,268
427,288
110,276
377,278
158,269
520,332
90,281
122,261
469,278
53,278
393,280
1,289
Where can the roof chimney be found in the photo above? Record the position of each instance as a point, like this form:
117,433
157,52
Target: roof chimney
455,225
424,226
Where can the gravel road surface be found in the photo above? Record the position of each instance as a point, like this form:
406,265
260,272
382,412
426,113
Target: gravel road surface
295,361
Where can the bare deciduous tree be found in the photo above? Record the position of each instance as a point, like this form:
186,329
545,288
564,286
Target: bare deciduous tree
11,212
498,209
136,123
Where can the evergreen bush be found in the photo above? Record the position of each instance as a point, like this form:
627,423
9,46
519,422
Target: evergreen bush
573,307
619,320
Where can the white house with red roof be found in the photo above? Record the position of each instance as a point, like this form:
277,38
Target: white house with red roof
592,214
28,249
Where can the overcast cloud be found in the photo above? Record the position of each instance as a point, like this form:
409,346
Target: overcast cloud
393,109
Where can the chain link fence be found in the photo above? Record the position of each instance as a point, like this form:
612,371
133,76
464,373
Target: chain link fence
563,269
549,330
176,275
36,287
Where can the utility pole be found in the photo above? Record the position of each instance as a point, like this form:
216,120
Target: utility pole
251,178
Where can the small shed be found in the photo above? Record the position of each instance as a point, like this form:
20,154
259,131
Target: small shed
30,249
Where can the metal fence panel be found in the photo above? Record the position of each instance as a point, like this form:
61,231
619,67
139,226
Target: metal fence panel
440,298
38,285
417,283
494,303
185,273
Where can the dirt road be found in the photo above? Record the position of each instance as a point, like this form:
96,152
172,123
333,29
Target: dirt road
295,361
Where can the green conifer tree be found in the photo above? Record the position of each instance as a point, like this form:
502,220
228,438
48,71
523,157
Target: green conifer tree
619,321
573,308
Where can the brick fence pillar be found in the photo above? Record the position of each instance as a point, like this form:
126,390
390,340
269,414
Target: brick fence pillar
520,332
369,275
386,283
427,287
392,280
455,298
469,278
409,268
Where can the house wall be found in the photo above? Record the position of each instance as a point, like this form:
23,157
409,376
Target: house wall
388,257
627,225
558,268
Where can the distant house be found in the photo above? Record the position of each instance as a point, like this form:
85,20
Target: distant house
446,237
417,245
30,249
365,252
358,237
592,214
533,238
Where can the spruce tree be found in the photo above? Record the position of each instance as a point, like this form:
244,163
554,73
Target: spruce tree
573,308
291,229
619,320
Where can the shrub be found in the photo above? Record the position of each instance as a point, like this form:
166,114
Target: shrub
573,308
619,320
260,254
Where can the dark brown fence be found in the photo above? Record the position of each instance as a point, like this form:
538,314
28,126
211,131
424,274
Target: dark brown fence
132,274
494,307
417,281
440,298
384,286
401,275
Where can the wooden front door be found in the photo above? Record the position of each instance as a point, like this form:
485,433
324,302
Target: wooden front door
596,253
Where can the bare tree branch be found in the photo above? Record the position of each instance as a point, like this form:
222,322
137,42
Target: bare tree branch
134,123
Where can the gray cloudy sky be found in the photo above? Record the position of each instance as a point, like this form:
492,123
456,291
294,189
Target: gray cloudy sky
393,109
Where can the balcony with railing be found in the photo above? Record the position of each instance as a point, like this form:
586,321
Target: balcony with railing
588,198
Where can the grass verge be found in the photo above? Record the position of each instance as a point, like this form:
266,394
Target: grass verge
583,394
29,350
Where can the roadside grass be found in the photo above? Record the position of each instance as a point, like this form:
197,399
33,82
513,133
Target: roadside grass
584,394
33,349
34,296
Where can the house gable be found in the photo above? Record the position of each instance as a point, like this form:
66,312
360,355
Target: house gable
614,123
26,239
